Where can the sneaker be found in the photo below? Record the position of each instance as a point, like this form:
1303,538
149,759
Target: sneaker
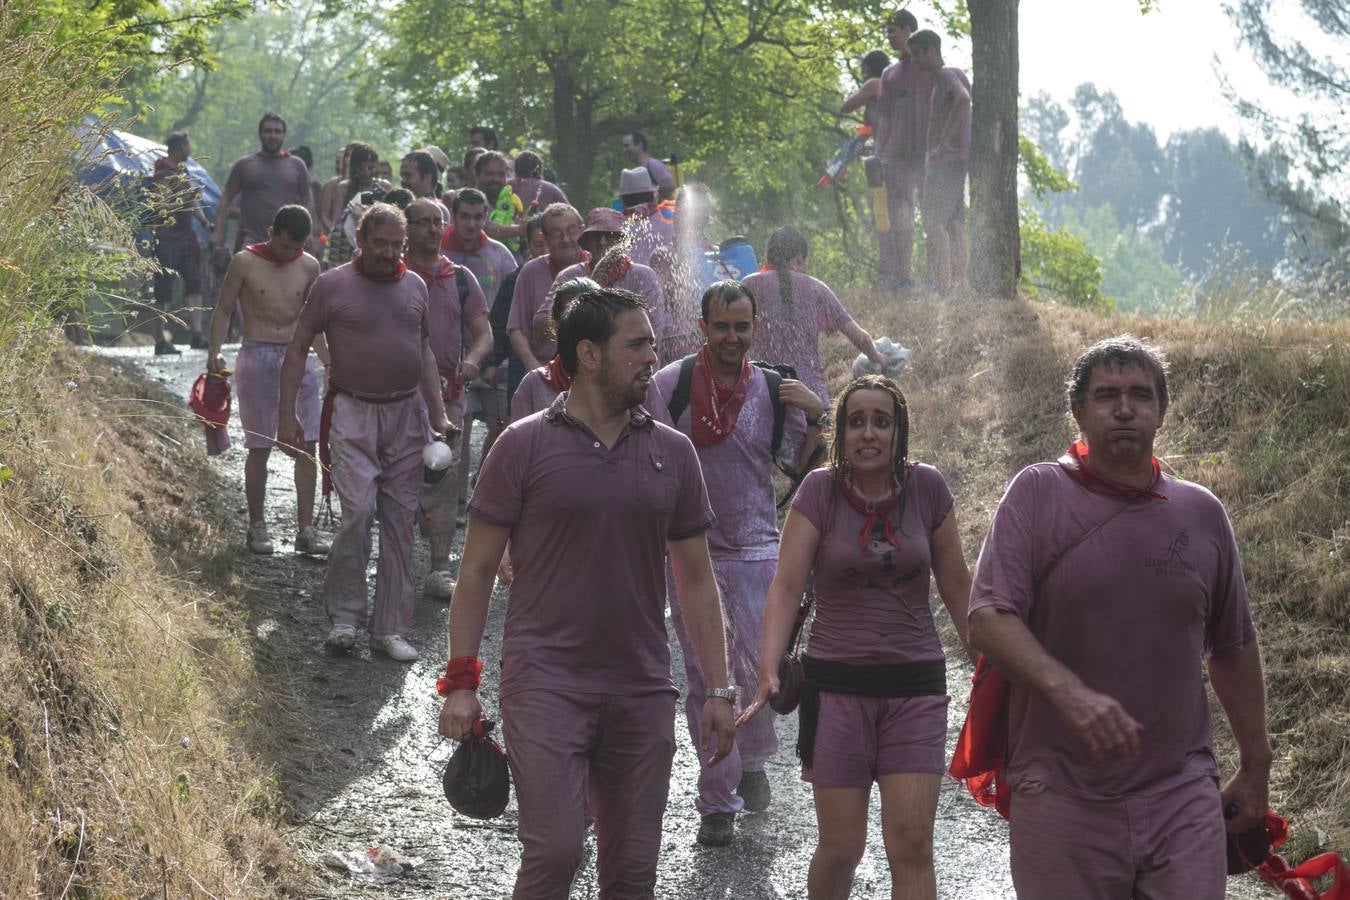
394,646
341,638
439,585
257,540
166,348
199,342
309,540
754,790
717,829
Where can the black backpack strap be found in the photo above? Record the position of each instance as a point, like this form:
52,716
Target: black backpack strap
679,398
462,285
775,381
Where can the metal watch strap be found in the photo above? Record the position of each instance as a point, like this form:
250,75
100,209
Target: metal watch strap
727,693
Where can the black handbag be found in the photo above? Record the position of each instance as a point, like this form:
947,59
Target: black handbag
791,673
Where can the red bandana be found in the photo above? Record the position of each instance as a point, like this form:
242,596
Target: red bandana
879,511
713,405
613,273
768,267
1074,461
555,268
263,249
444,271
555,376
361,270
451,242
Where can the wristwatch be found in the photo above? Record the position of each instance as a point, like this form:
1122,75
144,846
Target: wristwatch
727,693
822,421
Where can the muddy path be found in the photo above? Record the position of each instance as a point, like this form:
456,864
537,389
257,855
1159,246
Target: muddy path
359,761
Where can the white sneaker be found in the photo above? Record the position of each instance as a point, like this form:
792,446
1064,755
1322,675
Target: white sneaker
394,646
309,540
439,585
257,539
342,637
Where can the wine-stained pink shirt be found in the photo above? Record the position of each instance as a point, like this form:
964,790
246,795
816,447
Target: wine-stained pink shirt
950,82
449,315
903,110
791,333
531,294
264,184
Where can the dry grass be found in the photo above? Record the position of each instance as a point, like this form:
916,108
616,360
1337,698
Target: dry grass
124,692
1260,415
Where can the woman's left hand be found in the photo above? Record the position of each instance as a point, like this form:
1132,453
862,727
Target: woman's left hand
768,689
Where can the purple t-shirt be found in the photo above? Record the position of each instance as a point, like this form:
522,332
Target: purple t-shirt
738,469
872,604
374,328
449,315
532,292
264,184
640,279
1132,610
532,395
659,171
589,527
489,263
906,92
537,193
950,82
792,335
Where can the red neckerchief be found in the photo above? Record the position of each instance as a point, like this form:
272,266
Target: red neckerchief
264,249
554,268
612,273
555,376
360,268
452,242
768,267
880,511
1074,461
714,405
444,271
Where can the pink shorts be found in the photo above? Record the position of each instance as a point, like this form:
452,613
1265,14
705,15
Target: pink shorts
859,739
257,385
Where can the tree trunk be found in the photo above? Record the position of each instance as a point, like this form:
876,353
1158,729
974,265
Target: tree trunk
995,245
573,131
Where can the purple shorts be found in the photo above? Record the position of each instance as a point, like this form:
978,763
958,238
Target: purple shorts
859,739
1162,845
944,192
257,383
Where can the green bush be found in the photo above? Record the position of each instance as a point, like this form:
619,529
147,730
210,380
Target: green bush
1059,263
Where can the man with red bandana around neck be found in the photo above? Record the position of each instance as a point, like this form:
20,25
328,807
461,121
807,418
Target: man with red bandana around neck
1101,586
562,233
268,281
730,417
587,700
383,380
467,244
461,338
262,183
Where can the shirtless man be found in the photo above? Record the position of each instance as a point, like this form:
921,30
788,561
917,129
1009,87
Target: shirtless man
269,281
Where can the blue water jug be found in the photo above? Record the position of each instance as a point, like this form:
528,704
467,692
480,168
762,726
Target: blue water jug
737,257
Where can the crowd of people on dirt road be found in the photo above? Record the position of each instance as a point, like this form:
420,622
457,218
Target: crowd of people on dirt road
643,404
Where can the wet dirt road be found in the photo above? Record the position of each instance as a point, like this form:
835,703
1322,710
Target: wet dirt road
360,760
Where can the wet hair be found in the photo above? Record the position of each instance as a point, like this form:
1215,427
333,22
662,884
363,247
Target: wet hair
903,18
489,135
533,225
426,165
875,62
359,154
382,214
785,245
529,164
591,317
554,210
638,138
175,140
727,292
1117,352
293,220
564,295
925,40
305,154
400,197
838,465
487,157
271,117
468,197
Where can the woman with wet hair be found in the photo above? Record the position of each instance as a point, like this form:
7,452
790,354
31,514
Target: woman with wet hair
867,531
539,386
795,308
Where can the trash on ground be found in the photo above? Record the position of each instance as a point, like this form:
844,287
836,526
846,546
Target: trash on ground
380,864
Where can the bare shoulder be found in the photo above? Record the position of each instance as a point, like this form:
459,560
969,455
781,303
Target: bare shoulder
311,265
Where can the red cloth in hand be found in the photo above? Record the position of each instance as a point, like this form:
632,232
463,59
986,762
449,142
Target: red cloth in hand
981,755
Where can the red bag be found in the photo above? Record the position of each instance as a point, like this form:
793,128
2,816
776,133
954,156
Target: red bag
210,400
980,758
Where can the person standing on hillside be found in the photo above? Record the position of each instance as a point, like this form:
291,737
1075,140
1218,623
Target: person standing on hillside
1102,585
728,409
178,203
263,182
269,281
794,309
902,145
373,313
868,96
461,339
635,151
586,694
943,201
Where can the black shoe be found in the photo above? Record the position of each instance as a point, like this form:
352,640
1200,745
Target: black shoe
166,348
199,342
754,790
717,829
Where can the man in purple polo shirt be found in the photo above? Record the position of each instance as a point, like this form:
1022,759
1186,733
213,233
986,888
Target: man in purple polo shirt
586,694
943,202
902,145
562,232
1101,586
263,182
729,413
374,315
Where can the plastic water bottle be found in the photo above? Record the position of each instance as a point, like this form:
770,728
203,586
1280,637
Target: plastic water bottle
436,459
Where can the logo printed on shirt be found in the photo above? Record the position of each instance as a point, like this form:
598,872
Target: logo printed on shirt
1172,562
